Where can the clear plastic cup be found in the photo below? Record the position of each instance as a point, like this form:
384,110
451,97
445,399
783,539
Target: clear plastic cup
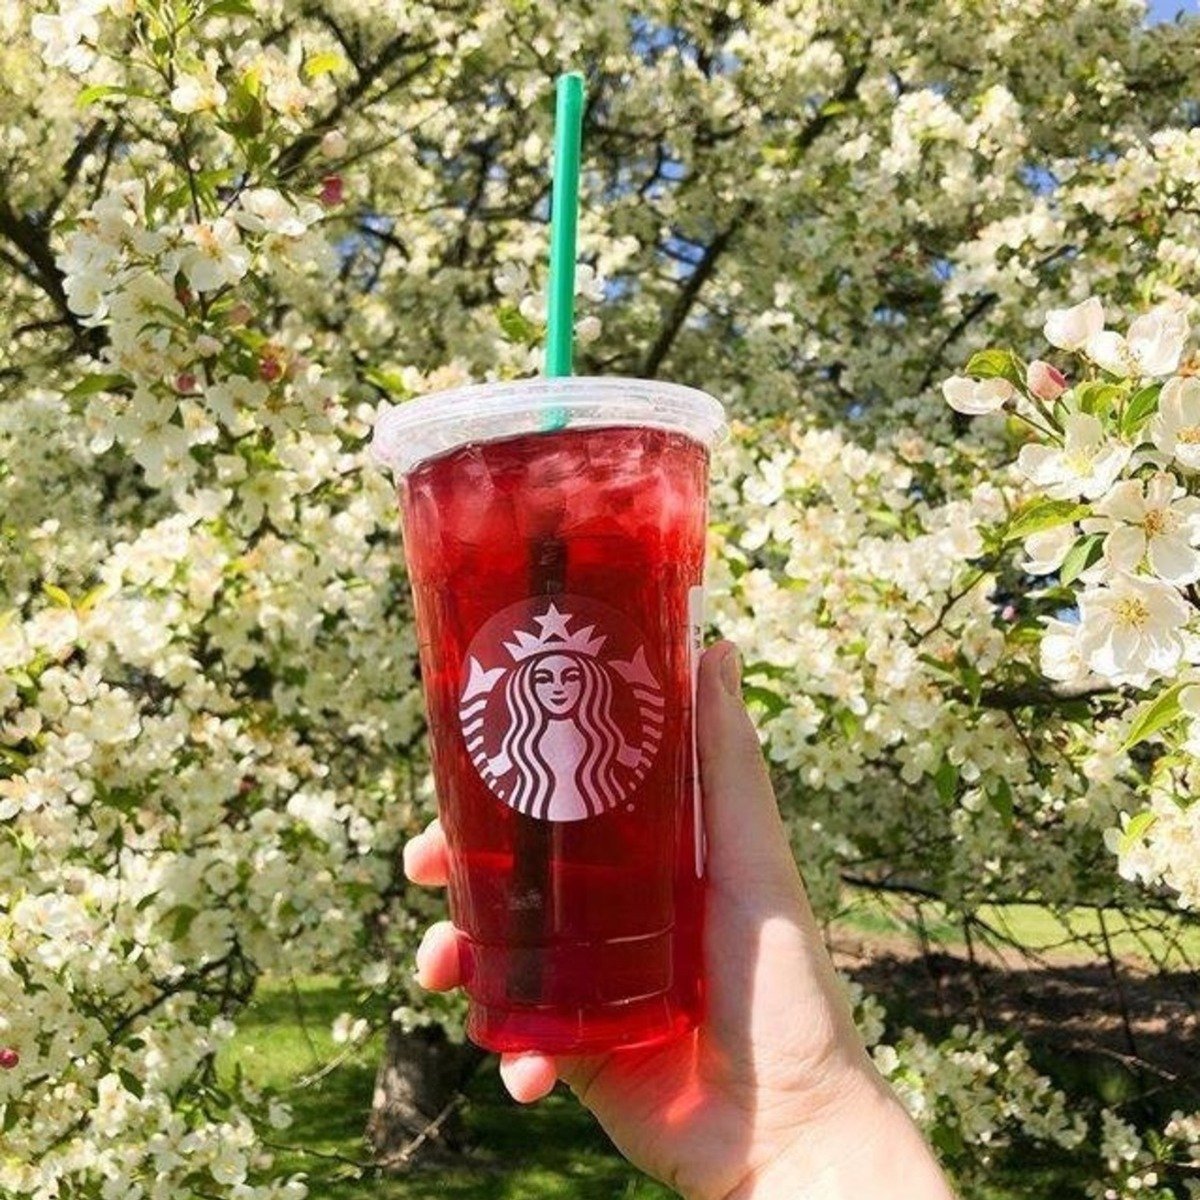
554,531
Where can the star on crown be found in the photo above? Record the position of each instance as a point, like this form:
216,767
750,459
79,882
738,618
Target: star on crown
555,637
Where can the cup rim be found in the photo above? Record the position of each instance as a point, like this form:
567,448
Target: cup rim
416,430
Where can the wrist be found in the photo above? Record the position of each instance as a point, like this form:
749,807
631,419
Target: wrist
863,1145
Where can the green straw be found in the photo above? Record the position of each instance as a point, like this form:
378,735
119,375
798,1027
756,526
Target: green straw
564,221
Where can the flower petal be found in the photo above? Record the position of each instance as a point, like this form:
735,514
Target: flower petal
1156,340
1125,547
1173,560
1109,351
1045,551
1106,466
1070,328
1124,502
976,397
1042,465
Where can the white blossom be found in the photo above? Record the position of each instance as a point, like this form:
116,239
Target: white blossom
975,397
1046,382
334,144
1062,652
1175,431
348,1029
265,209
1132,625
1045,551
214,255
1152,519
68,37
1152,347
1072,328
199,90
1087,464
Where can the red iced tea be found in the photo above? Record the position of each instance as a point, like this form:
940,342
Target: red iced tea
553,574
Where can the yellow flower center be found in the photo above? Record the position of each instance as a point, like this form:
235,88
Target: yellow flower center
1132,612
1159,521
1189,435
206,241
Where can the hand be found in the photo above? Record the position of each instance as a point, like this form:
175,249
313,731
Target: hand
774,1097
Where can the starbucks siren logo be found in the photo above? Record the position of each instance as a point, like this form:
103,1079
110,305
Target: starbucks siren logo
561,711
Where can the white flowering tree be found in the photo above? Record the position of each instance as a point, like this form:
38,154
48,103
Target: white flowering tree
230,230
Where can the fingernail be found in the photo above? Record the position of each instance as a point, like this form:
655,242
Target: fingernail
731,672
422,951
407,854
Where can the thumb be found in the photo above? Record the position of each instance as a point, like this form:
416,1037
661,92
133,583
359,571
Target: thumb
746,837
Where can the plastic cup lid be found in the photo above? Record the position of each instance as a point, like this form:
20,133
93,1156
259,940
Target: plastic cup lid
407,434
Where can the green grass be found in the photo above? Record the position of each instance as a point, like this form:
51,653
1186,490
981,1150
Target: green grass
551,1151
555,1150
1169,940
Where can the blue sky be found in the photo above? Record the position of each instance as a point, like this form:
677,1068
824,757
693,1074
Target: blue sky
1165,10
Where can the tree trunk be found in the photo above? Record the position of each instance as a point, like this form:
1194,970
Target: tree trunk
415,1109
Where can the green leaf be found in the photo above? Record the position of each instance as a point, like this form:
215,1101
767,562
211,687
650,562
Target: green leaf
948,1140
1041,515
248,117
182,916
1137,828
1140,409
997,364
168,314
131,1082
1082,555
517,328
57,595
770,670
98,91
945,779
773,702
89,385
938,665
1162,711
1028,631
972,681
323,64
391,382
1097,398
1001,799
229,8
849,723
92,597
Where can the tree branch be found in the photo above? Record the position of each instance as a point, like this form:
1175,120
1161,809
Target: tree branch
431,1131
982,305
292,157
686,299
74,164
1011,699
32,239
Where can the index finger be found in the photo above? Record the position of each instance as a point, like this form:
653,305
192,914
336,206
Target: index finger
427,857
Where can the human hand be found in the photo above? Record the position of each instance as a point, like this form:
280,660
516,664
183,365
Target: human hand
774,1097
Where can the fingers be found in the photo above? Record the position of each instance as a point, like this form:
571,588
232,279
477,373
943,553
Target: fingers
746,837
528,1077
427,857
439,963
